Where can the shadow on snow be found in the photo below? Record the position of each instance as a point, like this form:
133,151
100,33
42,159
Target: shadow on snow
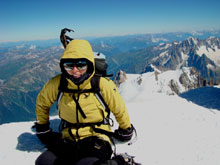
29,141
208,97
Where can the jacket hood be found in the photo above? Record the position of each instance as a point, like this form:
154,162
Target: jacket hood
79,49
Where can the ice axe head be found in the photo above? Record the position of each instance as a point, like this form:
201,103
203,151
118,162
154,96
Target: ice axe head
64,38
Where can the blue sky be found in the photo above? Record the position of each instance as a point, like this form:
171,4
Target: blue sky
43,19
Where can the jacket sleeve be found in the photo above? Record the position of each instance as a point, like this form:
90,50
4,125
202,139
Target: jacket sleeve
45,100
115,102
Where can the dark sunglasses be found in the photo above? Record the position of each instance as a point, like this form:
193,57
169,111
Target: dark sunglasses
80,65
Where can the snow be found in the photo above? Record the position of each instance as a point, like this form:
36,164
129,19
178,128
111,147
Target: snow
20,46
33,47
196,33
184,58
150,84
9,140
1,82
172,130
98,55
165,53
210,66
213,54
192,40
158,39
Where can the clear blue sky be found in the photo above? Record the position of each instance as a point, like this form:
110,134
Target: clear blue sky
43,19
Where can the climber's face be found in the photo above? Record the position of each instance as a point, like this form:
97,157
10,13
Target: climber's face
76,69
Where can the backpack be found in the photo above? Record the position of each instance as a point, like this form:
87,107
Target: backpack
100,71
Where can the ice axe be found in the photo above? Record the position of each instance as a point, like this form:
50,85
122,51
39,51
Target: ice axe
64,38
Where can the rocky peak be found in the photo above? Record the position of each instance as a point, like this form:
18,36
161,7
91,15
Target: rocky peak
120,77
213,41
192,52
188,79
192,41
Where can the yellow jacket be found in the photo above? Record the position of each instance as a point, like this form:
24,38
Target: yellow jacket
88,101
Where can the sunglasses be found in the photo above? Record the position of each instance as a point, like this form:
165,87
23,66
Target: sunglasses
80,65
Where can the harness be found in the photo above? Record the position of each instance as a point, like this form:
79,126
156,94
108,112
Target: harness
95,81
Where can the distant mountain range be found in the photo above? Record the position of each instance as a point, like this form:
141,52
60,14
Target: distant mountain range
23,72
25,67
123,43
204,55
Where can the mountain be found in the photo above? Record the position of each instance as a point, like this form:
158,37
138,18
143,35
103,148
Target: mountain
140,41
119,44
170,129
37,43
204,55
23,72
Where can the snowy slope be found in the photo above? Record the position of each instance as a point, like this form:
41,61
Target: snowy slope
171,130
151,83
211,50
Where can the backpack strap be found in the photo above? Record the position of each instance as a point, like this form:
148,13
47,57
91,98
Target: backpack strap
63,84
95,88
63,88
95,83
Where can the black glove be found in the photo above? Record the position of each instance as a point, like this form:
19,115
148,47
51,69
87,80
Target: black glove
119,159
124,159
124,134
45,134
